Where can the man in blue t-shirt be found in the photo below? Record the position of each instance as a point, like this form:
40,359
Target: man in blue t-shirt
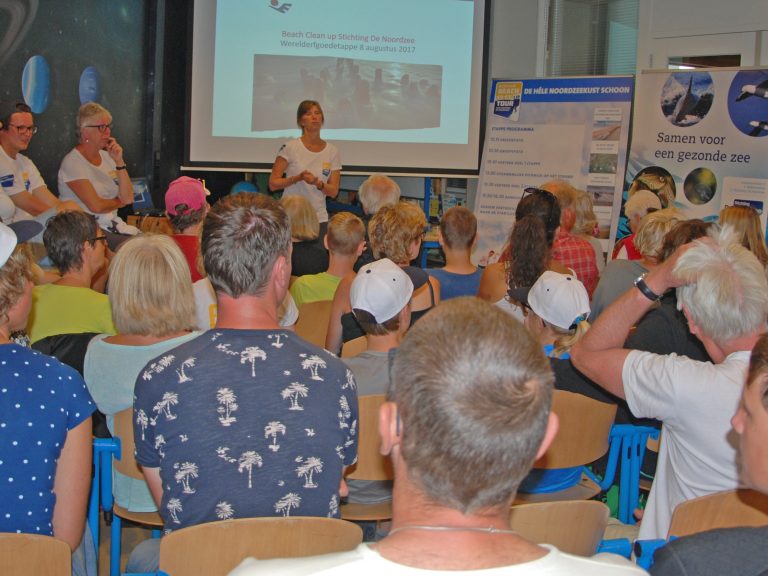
248,419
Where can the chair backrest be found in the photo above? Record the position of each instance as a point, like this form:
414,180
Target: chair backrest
371,465
727,509
124,430
585,425
354,347
34,554
312,324
573,526
215,548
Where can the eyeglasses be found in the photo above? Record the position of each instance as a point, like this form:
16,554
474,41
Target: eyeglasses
550,198
102,127
24,129
92,241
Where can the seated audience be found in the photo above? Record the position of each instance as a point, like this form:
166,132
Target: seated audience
619,275
732,550
153,310
745,220
459,277
723,292
309,256
344,241
45,409
94,173
586,226
375,192
248,419
186,207
638,205
395,233
572,251
78,248
468,413
537,218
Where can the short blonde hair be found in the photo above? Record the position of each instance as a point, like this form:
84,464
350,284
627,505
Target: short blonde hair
90,110
585,214
641,203
745,220
150,288
653,228
394,229
304,222
345,233
14,275
565,193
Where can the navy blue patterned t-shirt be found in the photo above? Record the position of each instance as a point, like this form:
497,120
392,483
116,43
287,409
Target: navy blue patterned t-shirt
41,399
246,423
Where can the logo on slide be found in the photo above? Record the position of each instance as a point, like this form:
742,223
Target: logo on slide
507,100
275,4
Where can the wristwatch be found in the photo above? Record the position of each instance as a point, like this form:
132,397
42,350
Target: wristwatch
645,290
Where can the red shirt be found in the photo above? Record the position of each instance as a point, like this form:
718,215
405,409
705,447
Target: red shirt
190,246
578,255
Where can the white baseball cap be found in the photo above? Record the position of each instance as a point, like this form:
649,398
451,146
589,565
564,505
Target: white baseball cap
16,233
559,299
382,289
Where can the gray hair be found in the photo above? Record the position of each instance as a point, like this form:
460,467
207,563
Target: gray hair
378,191
726,291
473,390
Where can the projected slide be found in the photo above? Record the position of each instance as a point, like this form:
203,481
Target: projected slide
400,82
363,93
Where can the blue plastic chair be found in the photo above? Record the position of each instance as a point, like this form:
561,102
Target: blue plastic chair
113,514
101,446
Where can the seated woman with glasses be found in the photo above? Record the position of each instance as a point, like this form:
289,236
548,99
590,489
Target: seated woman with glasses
78,248
528,253
94,173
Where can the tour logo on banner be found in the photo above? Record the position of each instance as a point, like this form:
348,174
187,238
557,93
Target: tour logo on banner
699,140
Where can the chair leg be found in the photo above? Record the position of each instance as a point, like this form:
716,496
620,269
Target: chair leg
114,548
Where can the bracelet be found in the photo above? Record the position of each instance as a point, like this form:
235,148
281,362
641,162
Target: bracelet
123,167
645,290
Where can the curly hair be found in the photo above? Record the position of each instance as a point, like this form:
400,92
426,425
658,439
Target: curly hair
14,275
394,229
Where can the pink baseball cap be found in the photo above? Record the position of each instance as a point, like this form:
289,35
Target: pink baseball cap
187,191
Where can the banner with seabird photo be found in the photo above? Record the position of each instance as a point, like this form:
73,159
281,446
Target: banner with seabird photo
574,129
699,140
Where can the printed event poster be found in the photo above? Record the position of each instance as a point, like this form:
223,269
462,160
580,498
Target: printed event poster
573,129
699,139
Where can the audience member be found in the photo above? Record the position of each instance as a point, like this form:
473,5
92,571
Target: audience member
459,277
380,298
153,310
345,242
309,256
186,207
94,174
23,192
376,191
45,409
279,430
745,220
537,218
586,226
395,233
468,413
640,204
723,292
732,550
77,247
570,250
619,275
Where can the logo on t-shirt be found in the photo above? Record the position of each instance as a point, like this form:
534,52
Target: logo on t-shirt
25,176
326,169
6,181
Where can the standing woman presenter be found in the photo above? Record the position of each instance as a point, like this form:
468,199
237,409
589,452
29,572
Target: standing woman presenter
308,166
